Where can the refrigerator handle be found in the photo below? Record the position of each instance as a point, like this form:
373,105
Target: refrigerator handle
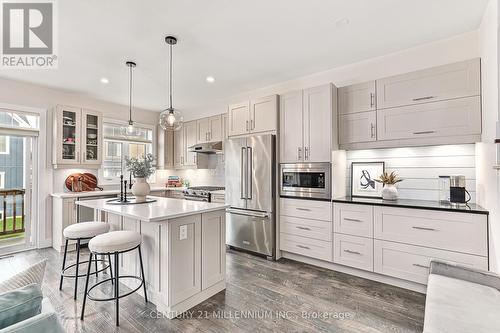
243,174
249,172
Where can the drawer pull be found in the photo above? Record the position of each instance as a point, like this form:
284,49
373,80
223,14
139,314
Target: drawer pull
423,228
423,98
421,266
304,209
303,228
352,220
424,132
353,252
303,247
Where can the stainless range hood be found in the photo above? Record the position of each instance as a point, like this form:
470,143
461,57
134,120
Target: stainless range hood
207,148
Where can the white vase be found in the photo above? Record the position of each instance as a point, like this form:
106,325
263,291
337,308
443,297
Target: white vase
389,192
140,189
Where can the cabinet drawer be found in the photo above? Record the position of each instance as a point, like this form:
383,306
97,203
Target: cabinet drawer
446,118
412,262
354,220
459,232
456,80
353,251
308,209
315,229
307,247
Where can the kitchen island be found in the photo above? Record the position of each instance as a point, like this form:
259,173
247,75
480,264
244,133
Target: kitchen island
183,247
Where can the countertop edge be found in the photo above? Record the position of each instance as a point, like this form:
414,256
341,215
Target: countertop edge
408,205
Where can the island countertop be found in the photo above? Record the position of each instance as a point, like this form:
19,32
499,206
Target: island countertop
161,210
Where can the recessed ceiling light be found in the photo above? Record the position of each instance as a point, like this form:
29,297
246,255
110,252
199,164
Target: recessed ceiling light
104,80
210,79
342,22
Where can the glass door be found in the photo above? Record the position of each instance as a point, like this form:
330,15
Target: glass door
68,135
16,182
92,137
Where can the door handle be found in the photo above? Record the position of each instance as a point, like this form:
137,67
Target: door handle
372,130
424,132
352,252
252,125
242,174
423,228
303,228
299,153
372,100
421,266
306,155
244,213
304,247
352,220
249,172
423,98
246,125
304,209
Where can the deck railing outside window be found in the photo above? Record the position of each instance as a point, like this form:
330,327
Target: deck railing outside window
12,211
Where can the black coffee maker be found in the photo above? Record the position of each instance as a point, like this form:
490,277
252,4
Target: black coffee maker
458,193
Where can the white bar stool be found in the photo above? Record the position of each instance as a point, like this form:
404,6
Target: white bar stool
116,243
82,231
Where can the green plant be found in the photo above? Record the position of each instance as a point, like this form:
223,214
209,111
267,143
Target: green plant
140,167
389,178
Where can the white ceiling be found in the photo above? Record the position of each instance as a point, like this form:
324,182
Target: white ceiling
244,44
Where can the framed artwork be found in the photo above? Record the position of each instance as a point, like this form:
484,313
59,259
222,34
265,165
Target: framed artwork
363,175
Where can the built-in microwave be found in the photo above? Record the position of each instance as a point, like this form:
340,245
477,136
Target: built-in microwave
306,180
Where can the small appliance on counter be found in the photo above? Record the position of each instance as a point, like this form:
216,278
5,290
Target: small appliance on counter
452,190
174,181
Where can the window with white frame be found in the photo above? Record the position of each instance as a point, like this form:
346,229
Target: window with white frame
118,144
4,145
2,179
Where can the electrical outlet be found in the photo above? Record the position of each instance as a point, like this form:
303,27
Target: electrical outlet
183,232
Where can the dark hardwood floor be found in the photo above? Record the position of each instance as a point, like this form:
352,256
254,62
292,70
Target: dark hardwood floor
261,296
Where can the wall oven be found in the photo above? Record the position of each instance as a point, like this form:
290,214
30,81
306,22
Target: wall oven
306,180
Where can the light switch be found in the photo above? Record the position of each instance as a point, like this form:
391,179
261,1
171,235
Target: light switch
183,232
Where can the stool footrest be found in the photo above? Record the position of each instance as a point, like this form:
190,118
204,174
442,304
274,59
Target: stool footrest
66,275
96,299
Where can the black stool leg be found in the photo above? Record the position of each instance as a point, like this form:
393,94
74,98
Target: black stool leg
86,286
77,265
96,274
143,276
117,293
110,269
64,264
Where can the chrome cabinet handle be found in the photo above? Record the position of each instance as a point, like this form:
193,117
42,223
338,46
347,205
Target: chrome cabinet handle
352,220
424,132
306,155
304,247
372,100
252,125
421,266
423,98
352,252
246,125
209,136
372,130
299,153
423,228
303,228
304,209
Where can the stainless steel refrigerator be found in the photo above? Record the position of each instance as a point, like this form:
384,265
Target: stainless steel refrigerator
250,192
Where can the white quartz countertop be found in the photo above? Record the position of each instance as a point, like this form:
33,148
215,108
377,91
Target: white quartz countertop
109,192
161,210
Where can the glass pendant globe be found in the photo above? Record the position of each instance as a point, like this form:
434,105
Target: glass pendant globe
130,128
170,120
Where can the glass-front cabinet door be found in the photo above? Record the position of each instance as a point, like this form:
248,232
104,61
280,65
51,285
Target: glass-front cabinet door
91,137
67,144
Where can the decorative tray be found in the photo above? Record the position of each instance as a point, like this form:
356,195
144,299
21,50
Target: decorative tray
130,201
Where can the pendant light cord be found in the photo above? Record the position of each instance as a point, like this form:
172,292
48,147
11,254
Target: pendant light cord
130,97
170,71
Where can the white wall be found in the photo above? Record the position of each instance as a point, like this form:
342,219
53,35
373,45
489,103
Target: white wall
488,186
29,95
458,48
420,167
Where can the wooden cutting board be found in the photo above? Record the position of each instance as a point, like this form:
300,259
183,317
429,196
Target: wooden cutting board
79,182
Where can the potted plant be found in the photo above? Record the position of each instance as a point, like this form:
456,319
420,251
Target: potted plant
389,180
141,169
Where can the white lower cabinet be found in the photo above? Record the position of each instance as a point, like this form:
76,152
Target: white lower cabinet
306,246
298,226
411,262
307,209
353,251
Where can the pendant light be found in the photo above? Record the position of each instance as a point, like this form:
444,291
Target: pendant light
170,119
130,128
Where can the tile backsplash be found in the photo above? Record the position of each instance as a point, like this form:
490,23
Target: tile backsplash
420,167
196,177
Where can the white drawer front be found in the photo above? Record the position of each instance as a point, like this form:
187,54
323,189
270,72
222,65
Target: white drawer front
459,232
353,251
315,229
308,209
352,219
412,262
307,247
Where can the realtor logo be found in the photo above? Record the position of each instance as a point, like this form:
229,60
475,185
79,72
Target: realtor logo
28,34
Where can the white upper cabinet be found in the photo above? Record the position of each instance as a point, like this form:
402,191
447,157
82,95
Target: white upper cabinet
190,131
306,125
291,127
179,150
453,117
239,122
318,123
263,114
203,128
209,129
357,98
357,127
451,81
256,116
91,137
